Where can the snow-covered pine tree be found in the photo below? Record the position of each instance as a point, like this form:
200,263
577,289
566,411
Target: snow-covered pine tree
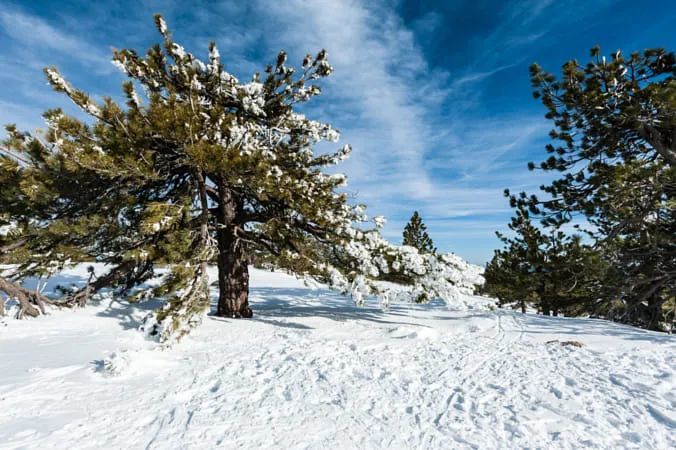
201,166
415,235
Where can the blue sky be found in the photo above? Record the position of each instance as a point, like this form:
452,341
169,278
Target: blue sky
434,96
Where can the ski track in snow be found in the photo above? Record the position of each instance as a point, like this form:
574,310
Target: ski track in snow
312,371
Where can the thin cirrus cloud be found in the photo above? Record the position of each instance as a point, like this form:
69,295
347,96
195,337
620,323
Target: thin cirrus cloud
29,44
433,96
34,33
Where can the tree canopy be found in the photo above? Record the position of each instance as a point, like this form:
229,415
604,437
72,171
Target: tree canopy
614,143
196,167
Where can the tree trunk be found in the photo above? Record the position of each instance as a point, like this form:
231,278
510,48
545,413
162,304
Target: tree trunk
647,306
545,306
659,142
544,300
654,315
233,269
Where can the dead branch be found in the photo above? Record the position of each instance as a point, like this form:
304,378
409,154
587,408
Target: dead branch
31,303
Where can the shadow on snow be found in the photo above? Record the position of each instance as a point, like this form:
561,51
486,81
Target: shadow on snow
275,306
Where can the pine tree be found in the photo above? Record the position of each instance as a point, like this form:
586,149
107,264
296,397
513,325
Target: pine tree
415,235
195,167
545,269
615,124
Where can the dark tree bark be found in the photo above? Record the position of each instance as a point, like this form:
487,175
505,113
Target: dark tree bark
651,304
660,143
233,269
545,305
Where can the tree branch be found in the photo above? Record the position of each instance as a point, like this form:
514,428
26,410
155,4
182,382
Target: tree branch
654,138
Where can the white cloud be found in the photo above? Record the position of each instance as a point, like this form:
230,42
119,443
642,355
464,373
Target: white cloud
428,22
474,77
25,117
37,34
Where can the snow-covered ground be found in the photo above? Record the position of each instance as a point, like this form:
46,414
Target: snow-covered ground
312,371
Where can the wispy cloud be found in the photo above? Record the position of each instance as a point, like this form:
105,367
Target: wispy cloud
35,34
26,117
30,43
477,76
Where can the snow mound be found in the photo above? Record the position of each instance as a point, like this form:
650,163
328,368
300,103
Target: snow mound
114,364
